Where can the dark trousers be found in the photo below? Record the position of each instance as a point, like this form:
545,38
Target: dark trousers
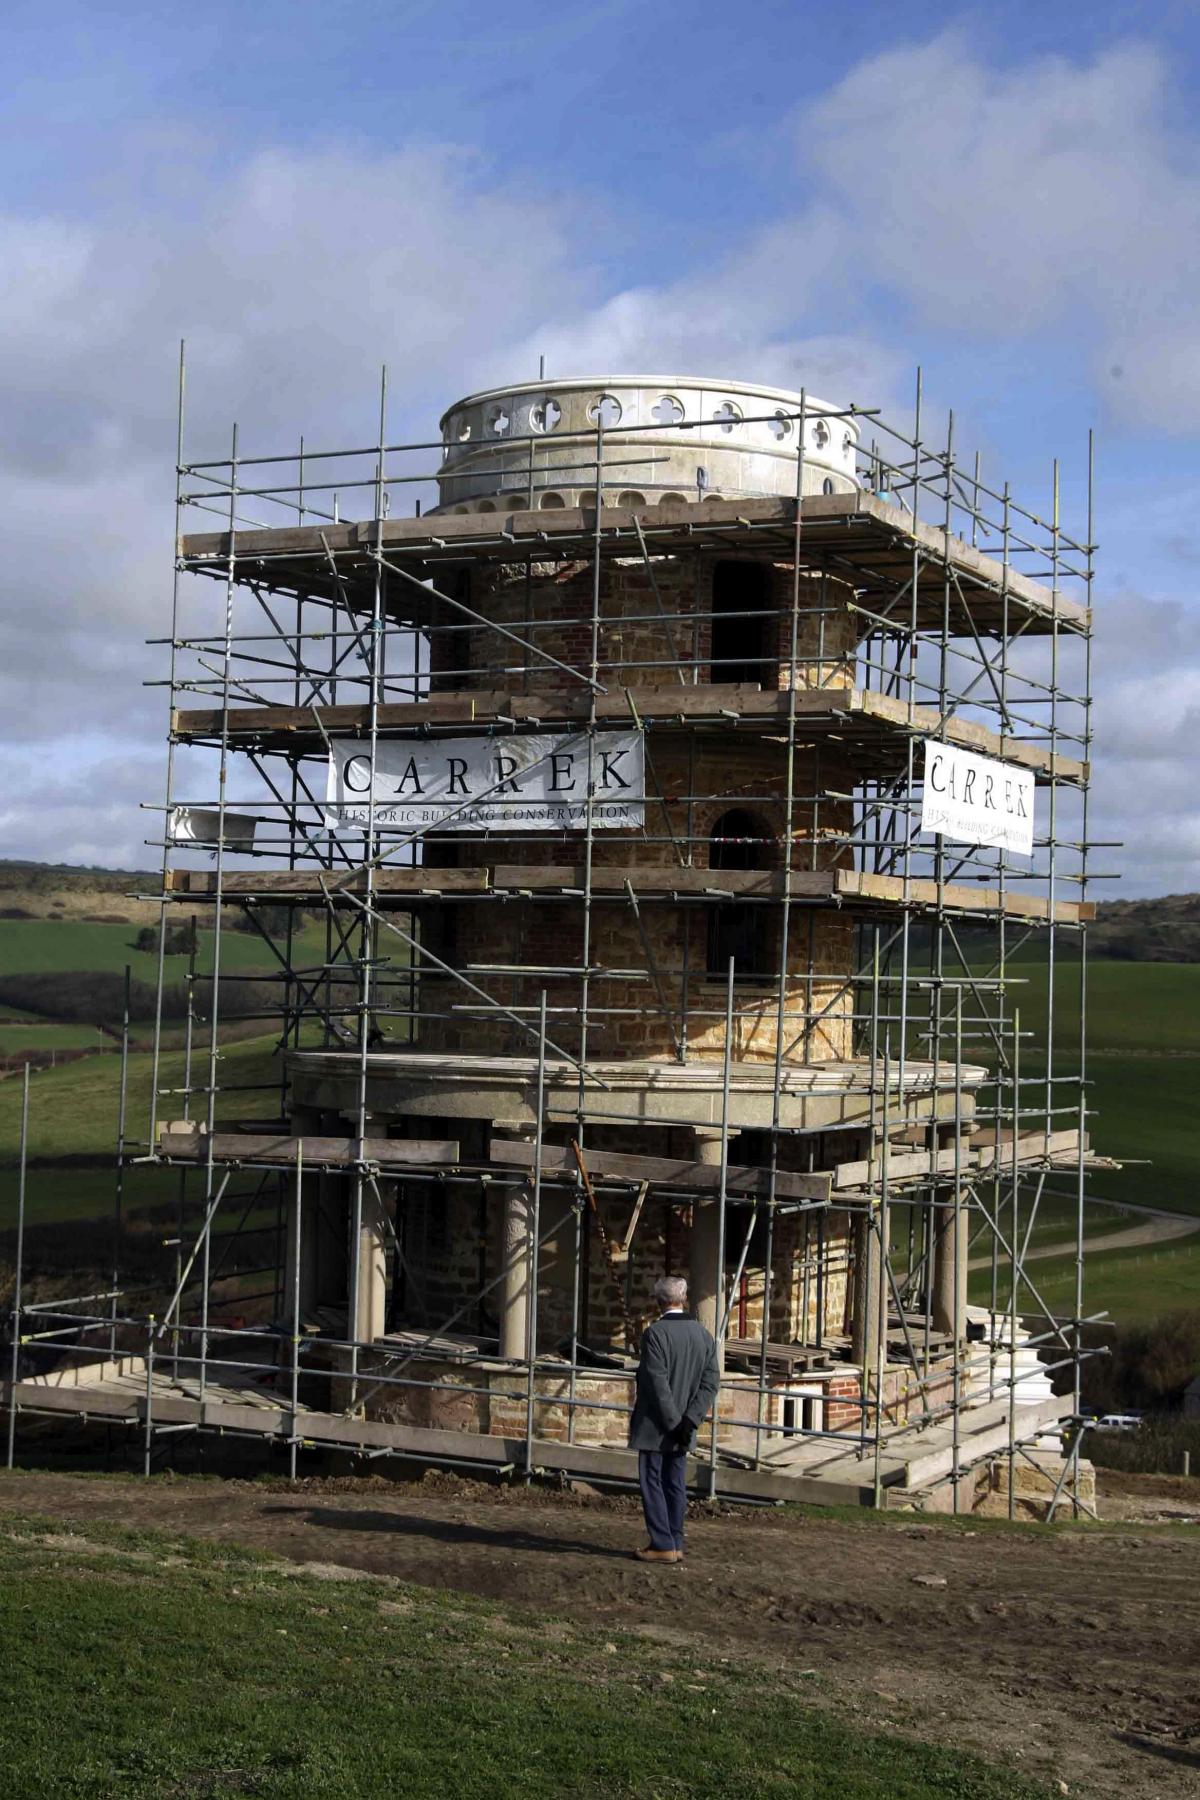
662,1476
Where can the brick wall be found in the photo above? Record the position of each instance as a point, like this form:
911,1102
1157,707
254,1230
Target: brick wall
842,1409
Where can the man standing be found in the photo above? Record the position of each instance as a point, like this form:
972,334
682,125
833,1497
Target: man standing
677,1382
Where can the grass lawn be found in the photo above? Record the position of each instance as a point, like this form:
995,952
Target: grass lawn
142,1665
57,946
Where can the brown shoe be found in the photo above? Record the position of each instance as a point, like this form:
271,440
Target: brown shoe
647,1554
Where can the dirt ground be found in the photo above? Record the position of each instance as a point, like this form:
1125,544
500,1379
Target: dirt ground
1148,1499
1070,1653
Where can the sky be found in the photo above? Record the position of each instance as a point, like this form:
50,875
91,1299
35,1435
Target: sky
821,196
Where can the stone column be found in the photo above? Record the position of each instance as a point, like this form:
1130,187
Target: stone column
705,1280
516,1251
865,1319
948,1295
371,1252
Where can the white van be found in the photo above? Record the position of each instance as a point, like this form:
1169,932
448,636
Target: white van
1119,1422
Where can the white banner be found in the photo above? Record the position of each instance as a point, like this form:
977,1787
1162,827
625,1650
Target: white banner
976,799
472,784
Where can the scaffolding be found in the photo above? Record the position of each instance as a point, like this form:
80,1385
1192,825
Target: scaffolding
794,1037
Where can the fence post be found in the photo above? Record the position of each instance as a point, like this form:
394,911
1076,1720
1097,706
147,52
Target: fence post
15,1365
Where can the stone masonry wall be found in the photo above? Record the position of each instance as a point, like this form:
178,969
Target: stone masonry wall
649,626
453,1248
666,998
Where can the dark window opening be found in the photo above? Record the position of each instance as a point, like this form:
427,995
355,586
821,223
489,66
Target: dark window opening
444,937
738,928
737,841
736,1225
740,626
451,650
437,1222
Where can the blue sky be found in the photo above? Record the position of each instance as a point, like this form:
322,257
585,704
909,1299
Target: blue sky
825,196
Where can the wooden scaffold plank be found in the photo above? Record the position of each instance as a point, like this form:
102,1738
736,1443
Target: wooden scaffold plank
185,1143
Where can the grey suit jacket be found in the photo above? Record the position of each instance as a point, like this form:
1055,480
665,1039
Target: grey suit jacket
677,1376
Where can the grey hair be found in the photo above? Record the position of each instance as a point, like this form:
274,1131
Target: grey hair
670,1290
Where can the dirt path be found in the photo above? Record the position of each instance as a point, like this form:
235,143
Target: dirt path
1072,1652
1155,1231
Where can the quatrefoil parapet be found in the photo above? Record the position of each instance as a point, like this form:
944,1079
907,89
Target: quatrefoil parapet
606,411
545,414
652,434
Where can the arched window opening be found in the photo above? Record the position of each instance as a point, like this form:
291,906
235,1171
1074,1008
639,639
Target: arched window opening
740,626
736,841
738,928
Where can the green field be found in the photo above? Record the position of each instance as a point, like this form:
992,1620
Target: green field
145,1665
67,1195
1129,1285
1144,1075
64,946
46,1034
73,1112
1144,1116
1152,1007
1148,1110
1145,1109
73,1109
1144,1068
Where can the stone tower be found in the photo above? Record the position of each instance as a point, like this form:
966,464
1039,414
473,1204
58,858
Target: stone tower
698,1003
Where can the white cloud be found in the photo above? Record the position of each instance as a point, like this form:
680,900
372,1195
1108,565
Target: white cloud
743,314
1147,725
293,279
1002,201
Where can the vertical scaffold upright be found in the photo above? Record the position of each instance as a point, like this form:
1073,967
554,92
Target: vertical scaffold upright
577,817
